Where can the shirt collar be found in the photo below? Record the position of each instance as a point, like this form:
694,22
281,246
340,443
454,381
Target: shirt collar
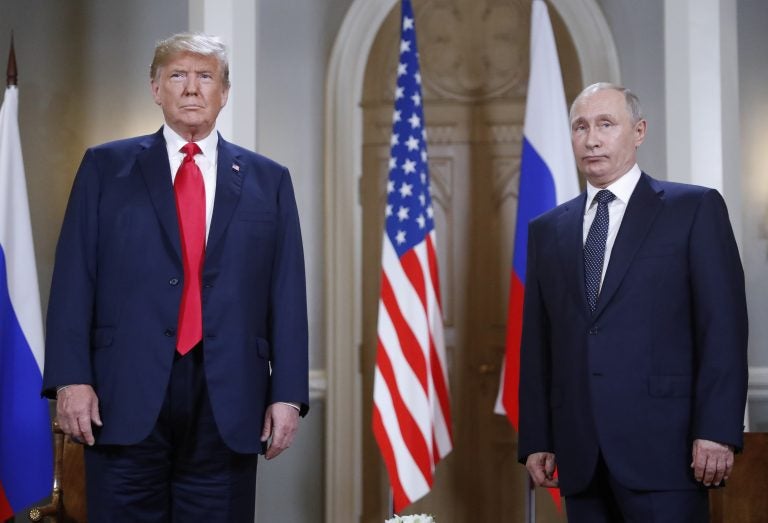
622,187
174,142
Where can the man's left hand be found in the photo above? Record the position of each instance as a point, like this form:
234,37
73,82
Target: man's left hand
712,462
281,422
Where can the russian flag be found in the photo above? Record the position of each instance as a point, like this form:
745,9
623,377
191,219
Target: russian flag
26,457
547,178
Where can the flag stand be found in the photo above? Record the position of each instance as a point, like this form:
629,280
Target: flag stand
530,500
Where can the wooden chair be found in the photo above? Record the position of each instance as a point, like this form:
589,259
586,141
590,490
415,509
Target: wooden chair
68,496
745,497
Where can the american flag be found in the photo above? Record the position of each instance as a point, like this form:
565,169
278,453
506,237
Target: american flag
411,414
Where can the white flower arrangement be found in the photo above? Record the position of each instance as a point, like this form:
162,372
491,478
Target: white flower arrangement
414,518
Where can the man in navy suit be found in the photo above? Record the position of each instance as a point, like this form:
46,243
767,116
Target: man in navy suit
634,349
177,328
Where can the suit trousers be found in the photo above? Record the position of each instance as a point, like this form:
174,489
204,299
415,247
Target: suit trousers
607,501
183,471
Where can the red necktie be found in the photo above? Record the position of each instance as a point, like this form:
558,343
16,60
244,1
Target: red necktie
190,209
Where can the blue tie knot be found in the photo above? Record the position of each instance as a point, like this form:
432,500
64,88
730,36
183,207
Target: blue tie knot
604,196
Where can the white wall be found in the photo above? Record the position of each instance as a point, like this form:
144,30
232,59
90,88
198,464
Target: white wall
753,97
294,42
638,30
83,80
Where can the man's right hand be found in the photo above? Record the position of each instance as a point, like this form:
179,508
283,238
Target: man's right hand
77,407
541,467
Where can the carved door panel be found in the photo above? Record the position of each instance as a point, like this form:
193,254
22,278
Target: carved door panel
474,62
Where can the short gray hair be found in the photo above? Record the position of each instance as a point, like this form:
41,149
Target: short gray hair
195,43
634,108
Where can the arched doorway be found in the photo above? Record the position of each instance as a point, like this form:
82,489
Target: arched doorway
474,120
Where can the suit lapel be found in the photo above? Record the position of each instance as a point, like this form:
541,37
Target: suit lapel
155,169
570,246
644,204
229,184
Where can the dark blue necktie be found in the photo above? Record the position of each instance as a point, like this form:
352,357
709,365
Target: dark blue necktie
594,248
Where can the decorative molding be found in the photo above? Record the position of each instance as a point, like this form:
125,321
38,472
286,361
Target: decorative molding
758,384
507,134
455,34
318,384
441,173
343,166
592,38
236,21
506,176
441,133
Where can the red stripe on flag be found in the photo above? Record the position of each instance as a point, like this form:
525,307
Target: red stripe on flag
408,342
5,507
441,388
510,396
438,372
554,493
409,429
399,497
412,269
433,272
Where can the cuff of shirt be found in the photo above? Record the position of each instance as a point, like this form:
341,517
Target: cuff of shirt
59,389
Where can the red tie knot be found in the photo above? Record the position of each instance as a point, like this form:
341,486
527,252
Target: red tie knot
190,150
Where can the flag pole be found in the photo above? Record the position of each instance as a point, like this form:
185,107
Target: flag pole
11,73
530,501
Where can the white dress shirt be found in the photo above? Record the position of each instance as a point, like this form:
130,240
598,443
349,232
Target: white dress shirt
622,188
205,161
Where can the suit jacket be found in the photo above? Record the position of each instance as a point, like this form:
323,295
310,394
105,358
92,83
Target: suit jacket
663,359
118,279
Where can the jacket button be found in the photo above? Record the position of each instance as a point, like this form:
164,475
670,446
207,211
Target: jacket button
173,281
593,330
170,332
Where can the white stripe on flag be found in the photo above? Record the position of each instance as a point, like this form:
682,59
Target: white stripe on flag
16,229
408,299
435,319
411,478
406,380
546,114
546,126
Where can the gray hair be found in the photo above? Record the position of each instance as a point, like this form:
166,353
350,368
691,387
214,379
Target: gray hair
195,43
633,102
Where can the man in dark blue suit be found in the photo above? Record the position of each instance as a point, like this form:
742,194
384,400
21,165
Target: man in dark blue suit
177,328
634,348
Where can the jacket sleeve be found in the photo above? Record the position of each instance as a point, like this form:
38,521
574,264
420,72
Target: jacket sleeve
720,323
288,306
535,430
70,307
